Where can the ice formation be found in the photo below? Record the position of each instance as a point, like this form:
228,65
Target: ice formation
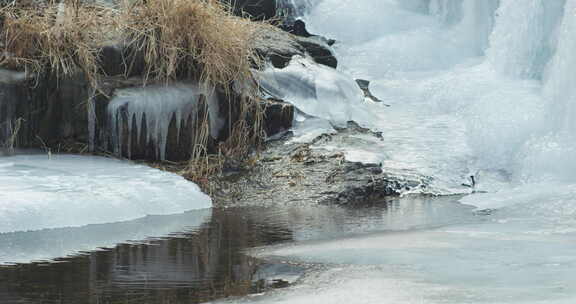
314,89
476,87
481,88
42,191
49,244
159,105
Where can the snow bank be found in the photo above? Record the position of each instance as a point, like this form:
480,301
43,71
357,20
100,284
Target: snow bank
38,192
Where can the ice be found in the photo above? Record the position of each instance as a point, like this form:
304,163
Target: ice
518,254
475,86
92,121
307,129
480,88
449,266
159,105
49,244
42,191
314,89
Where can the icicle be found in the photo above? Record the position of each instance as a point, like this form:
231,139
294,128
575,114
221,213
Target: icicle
293,9
157,106
113,112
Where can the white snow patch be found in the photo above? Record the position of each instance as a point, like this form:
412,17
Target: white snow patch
38,192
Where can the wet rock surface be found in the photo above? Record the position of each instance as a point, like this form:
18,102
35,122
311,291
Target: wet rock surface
290,173
256,9
278,116
365,87
278,48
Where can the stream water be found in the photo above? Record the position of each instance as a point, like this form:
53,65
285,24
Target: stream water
206,261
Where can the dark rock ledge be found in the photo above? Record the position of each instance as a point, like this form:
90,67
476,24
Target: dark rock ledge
292,173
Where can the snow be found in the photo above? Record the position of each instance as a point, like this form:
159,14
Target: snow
42,191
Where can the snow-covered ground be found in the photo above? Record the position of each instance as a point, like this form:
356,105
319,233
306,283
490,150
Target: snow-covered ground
41,191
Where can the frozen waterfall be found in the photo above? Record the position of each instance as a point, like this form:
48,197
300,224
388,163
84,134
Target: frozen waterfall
479,88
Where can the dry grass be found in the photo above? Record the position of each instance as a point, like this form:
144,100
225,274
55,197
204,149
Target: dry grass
62,39
198,38
202,40
13,128
195,39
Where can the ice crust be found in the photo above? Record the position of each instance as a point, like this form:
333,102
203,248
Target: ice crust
42,191
50,244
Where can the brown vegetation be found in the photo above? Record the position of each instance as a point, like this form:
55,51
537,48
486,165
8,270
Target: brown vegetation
198,40
61,39
198,37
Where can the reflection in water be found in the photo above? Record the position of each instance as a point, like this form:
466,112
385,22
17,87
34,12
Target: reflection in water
209,262
185,268
47,244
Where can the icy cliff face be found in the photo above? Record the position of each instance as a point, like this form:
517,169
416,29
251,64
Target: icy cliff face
477,88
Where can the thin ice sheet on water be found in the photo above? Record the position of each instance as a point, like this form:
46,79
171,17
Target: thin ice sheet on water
38,192
49,244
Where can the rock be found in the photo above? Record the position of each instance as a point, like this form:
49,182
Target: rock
319,51
314,173
54,115
118,59
47,109
258,10
298,28
278,116
278,47
365,86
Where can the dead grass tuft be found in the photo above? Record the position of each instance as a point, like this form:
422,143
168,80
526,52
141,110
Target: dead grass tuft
63,39
198,38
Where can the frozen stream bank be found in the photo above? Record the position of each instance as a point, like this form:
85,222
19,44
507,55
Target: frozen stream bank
39,192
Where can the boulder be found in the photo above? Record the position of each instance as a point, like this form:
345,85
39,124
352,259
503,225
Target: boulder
278,48
365,86
258,10
298,28
278,116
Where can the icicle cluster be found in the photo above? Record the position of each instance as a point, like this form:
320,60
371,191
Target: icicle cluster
154,108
